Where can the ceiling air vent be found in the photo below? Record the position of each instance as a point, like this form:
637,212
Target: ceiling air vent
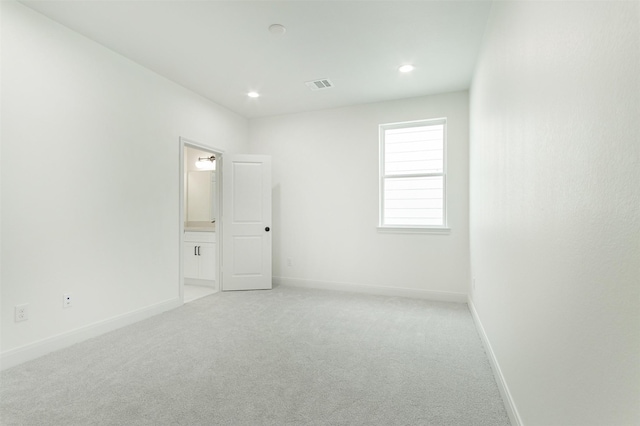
319,84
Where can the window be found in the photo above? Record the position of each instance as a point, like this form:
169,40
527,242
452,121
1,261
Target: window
413,175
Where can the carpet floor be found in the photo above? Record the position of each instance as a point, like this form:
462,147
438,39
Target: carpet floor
287,356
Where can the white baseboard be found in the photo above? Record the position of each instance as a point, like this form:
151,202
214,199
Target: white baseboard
509,404
17,356
371,289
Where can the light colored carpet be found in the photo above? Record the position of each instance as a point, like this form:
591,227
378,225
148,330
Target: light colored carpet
282,357
193,292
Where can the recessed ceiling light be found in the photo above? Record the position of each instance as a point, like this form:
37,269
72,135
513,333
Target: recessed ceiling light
253,94
406,68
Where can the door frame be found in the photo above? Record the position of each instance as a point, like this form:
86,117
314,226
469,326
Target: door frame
219,153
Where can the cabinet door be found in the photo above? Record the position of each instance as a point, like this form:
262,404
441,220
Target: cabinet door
191,260
207,261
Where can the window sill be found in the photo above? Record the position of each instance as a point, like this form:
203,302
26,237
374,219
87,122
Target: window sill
413,230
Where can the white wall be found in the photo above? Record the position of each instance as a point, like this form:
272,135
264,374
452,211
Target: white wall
325,201
555,223
90,178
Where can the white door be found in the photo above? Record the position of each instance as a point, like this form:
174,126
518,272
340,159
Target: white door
246,222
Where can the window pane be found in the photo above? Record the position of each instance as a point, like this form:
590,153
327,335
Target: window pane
414,150
414,201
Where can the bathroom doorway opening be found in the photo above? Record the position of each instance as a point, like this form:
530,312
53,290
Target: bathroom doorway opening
200,208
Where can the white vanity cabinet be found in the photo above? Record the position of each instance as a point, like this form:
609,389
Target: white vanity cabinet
200,255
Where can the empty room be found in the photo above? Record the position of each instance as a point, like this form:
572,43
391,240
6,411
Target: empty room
320,212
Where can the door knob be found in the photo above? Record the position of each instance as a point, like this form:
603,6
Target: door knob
267,229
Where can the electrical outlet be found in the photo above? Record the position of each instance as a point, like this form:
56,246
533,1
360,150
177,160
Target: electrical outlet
66,300
289,262
22,313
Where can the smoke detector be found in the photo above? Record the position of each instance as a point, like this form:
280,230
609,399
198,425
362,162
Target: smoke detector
319,84
277,30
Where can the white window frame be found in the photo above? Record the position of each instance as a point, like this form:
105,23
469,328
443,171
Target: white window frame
435,229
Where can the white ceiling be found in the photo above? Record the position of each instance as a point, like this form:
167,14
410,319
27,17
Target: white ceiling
223,49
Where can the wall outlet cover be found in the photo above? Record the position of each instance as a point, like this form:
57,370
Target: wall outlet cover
21,313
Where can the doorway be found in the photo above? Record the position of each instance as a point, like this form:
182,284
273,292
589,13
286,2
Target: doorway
225,243
199,217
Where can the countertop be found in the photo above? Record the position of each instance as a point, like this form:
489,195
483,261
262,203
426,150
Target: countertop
199,227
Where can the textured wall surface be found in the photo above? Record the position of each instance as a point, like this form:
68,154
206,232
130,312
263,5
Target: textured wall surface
555,198
90,159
